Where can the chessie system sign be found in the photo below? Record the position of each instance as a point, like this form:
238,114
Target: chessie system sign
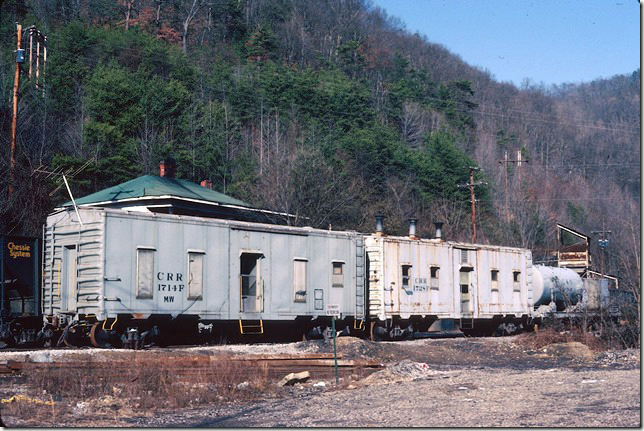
19,274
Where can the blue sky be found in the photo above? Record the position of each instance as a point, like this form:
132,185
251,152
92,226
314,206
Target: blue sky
549,41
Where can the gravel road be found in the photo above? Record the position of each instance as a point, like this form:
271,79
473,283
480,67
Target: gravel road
466,398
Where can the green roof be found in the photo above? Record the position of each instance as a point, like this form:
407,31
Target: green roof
153,186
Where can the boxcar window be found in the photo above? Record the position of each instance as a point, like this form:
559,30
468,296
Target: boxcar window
464,281
319,299
494,279
406,275
299,280
338,274
144,273
516,280
195,275
433,277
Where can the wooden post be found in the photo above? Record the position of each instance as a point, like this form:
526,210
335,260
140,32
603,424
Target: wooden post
44,62
471,185
473,206
335,351
14,119
31,51
505,169
37,57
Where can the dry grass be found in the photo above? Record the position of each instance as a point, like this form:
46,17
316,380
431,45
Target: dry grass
147,385
604,332
36,413
544,337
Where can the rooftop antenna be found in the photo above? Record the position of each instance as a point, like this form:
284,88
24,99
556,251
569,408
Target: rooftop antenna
59,174
71,174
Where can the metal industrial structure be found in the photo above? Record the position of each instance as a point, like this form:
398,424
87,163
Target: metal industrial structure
574,249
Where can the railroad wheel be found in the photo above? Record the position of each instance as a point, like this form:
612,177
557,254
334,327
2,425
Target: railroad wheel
72,337
99,336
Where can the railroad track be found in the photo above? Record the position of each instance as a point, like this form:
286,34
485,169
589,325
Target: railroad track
197,368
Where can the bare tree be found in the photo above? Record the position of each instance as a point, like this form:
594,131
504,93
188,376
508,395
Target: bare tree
148,145
414,123
189,9
128,8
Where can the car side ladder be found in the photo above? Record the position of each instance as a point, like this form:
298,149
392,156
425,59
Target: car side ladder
251,327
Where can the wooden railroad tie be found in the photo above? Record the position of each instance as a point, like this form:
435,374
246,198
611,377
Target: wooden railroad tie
189,365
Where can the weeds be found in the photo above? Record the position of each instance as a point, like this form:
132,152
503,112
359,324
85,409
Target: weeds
544,337
599,332
138,387
622,332
37,413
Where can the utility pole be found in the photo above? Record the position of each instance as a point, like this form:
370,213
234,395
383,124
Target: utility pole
505,162
44,61
603,244
20,58
31,51
37,57
473,205
471,185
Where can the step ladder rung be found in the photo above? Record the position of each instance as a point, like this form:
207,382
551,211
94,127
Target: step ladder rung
467,323
250,328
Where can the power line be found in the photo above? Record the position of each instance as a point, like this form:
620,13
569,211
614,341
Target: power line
587,126
594,166
571,199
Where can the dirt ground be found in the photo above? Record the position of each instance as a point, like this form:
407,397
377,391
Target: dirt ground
456,382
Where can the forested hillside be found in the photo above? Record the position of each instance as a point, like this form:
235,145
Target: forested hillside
325,109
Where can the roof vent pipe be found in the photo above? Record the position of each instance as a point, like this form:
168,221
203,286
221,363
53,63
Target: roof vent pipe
412,228
438,225
379,224
167,168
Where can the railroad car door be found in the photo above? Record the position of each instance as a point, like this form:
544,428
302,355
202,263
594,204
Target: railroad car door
251,282
466,291
68,288
466,263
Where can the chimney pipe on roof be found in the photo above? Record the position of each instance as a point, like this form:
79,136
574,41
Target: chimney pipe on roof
438,225
207,184
412,228
167,168
379,228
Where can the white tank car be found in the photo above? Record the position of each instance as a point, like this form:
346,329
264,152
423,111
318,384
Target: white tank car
561,286
563,290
